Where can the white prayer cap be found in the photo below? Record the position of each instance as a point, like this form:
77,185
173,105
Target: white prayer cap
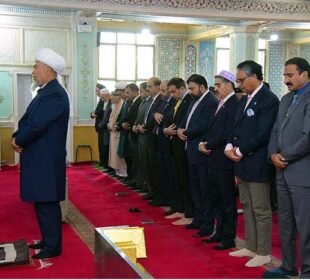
120,85
104,91
52,59
228,76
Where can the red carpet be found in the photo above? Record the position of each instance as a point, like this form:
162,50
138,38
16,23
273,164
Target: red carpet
172,251
18,221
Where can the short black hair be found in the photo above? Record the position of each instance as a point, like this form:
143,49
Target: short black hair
177,82
301,64
197,79
143,85
100,86
133,87
251,67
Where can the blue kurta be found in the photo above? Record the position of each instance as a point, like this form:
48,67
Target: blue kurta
42,132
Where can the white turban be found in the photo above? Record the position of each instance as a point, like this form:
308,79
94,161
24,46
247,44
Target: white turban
104,91
120,85
52,59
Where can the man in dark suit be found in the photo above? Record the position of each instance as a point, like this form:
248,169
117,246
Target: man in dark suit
142,183
98,115
102,128
221,173
247,147
164,149
41,141
192,130
130,146
289,151
182,204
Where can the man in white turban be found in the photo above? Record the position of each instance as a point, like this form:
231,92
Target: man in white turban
41,141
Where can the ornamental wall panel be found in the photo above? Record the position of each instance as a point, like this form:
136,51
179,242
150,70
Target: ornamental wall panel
9,46
58,40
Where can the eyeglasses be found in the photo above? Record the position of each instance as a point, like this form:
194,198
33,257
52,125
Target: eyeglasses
241,81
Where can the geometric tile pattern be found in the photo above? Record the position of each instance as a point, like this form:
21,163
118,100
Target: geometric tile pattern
169,53
276,62
305,52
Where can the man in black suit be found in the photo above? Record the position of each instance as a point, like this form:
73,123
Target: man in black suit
192,130
98,115
221,173
164,149
182,204
152,163
130,147
248,148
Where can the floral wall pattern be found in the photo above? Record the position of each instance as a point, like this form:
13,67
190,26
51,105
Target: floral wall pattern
207,61
190,61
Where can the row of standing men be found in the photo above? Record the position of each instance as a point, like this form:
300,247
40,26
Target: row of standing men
185,146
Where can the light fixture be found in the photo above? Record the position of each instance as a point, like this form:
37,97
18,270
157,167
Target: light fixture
274,37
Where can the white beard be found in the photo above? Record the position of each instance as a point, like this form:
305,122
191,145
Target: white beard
33,87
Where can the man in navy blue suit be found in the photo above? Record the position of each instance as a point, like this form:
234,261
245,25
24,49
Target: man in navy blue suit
248,148
41,142
192,131
221,173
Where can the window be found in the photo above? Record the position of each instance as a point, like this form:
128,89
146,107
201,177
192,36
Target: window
126,57
222,54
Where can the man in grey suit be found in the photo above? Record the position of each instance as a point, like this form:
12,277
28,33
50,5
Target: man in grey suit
289,151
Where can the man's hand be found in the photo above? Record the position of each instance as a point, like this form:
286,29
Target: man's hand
16,148
141,128
202,148
126,126
170,130
232,155
278,161
158,117
181,134
135,129
93,115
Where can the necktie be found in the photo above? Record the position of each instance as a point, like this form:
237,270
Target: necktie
248,101
176,107
219,106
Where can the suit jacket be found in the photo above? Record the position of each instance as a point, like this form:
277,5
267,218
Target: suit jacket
99,113
198,126
177,145
150,121
290,137
102,126
142,110
251,133
163,141
42,132
218,132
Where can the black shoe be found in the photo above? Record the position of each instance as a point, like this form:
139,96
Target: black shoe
279,273
157,203
212,239
192,226
224,246
148,196
45,255
202,233
36,246
170,212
